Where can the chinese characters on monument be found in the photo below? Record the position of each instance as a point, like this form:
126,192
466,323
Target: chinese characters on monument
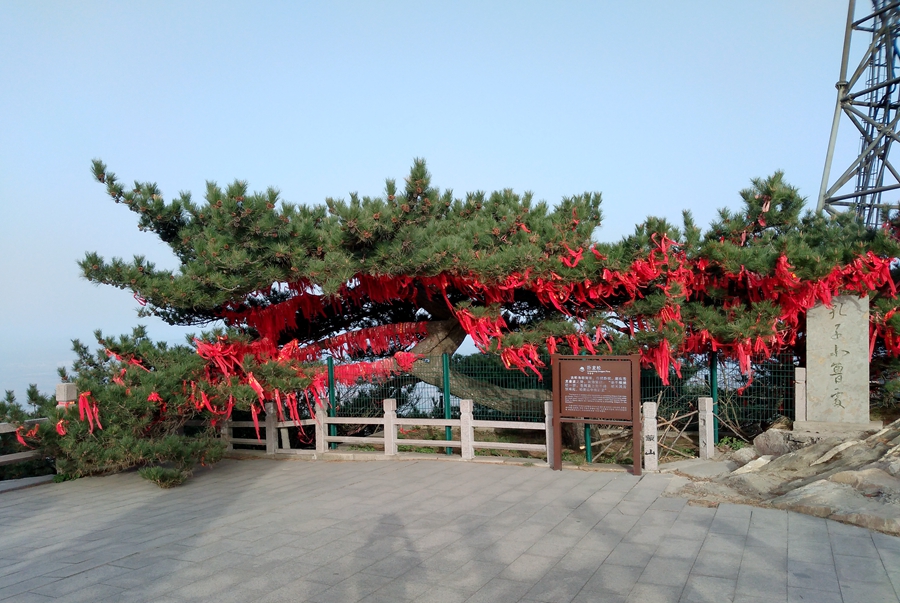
838,361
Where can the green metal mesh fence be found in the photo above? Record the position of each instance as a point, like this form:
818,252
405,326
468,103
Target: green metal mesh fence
762,397
502,394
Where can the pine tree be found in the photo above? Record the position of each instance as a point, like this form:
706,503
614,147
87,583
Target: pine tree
414,271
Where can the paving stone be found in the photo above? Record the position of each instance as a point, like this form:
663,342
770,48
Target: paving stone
667,571
500,590
773,539
395,565
708,589
400,589
860,569
678,548
298,590
644,593
350,590
610,578
558,586
638,555
427,531
528,568
762,583
442,594
867,592
745,598
812,576
858,546
804,595
810,552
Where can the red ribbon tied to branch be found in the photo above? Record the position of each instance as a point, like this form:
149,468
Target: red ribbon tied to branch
31,433
88,406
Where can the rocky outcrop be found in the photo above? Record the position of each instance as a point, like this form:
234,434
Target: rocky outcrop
854,478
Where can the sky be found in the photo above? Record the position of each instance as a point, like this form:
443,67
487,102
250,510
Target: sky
660,106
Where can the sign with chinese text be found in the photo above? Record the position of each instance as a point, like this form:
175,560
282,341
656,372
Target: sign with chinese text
602,390
837,361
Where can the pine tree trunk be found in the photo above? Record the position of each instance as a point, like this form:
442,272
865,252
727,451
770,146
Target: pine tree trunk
445,337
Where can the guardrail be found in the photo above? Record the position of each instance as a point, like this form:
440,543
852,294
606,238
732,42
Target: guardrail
18,457
277,442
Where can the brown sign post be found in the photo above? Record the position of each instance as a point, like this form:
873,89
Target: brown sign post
597,390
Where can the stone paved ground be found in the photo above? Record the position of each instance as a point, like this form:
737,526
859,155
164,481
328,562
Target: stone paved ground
427,531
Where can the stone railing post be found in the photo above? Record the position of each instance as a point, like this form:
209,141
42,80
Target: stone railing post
321,416
466,430
548,430
390,427
649,433
285,438
225,434
705,425
800,394
271,431
66,394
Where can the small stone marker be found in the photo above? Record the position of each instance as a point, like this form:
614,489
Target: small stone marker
705,426
66,393
651,449
837,361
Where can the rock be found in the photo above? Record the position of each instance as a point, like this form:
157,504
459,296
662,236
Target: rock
870,482
710,493
774,442
753,465
833,452
699,469
841,502
893,467
756,484
744,455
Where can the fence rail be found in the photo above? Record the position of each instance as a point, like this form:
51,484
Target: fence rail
274,433
19,457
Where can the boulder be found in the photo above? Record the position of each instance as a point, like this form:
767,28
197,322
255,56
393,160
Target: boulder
774,442
744,455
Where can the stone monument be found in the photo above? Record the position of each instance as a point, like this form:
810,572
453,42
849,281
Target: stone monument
837,363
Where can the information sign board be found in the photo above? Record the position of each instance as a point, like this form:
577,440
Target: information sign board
596,390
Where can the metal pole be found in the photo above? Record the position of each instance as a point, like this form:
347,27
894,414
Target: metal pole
587,444
332,429
448,431
714,392
841,91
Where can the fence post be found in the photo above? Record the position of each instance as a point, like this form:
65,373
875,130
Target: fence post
714,392
448,413
271,432
466,430
651,450
285,438
800,394
548,430
705,425
390,428
332,429
225,434
321,416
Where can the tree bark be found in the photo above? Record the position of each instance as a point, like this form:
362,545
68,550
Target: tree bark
445,337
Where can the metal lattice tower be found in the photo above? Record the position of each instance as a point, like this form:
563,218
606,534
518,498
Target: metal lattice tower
870,99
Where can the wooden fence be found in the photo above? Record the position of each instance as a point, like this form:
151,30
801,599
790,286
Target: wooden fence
277,442
18,457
